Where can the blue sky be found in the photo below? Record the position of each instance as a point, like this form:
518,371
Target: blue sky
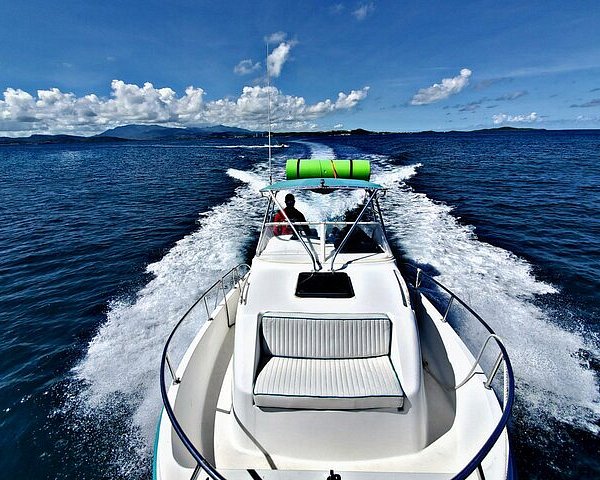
83,67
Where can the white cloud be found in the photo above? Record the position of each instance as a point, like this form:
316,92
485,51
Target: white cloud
524,118
441,91
588,118
349,101
278,57
363,11
246,67
276,37
53,111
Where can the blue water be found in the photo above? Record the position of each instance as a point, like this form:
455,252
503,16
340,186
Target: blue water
103,246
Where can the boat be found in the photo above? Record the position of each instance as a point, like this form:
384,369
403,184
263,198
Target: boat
325,360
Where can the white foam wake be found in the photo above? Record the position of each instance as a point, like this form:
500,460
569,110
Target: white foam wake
278,145
318,150
501,288
123,358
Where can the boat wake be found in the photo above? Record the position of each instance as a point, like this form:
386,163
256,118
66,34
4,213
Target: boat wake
120,371
552,382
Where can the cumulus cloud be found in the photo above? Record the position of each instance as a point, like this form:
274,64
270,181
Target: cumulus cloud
524,118
245,67
441,91
363,11
53,111
278,57
276,37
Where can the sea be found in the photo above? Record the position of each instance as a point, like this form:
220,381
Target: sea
104,246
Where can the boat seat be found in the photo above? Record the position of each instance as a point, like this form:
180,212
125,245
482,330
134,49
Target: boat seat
326,364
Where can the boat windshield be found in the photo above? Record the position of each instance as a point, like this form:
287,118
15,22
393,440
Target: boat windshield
333,226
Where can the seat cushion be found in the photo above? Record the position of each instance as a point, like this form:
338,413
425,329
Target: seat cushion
328,384
326,338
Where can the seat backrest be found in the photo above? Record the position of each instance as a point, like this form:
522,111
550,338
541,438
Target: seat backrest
326,338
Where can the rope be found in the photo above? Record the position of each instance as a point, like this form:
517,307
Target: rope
335,175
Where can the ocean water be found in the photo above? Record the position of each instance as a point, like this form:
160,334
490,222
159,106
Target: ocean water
103,248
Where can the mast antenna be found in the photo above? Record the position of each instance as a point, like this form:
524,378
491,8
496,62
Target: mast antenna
269,114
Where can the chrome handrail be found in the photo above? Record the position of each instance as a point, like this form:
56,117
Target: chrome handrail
237,279
503,359
352,228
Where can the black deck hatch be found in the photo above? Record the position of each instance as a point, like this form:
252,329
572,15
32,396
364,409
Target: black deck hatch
324,285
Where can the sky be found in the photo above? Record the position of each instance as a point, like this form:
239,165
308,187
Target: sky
84,67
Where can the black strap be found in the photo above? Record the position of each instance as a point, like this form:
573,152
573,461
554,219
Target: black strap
298,168
351,165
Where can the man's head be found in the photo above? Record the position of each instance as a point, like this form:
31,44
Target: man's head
289,200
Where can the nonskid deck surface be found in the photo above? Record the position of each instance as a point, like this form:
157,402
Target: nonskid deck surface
236,451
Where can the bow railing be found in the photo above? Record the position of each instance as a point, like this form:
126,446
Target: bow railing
502,360
208,303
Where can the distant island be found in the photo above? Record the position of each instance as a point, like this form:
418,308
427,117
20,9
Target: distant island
129,133
136,133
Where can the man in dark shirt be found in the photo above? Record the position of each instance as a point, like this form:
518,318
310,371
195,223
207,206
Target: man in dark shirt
293,214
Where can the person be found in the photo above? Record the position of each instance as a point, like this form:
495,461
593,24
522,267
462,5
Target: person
293,214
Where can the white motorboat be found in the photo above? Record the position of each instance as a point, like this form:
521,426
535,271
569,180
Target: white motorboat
320,361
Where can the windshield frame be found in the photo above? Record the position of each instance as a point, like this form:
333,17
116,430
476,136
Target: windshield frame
371,204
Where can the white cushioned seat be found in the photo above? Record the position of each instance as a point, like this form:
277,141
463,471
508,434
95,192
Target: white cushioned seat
341,384
326,337
326,363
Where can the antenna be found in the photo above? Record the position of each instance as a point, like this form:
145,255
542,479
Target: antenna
269,115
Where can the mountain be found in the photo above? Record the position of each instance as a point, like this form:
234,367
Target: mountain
220,129
37,139
134,133
141,132
157,132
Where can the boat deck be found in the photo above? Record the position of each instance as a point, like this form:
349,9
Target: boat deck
235,449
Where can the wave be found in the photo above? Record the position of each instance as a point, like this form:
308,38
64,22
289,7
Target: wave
501,287
318,150
122,362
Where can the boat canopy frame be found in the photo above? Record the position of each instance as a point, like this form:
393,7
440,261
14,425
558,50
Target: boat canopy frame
323,185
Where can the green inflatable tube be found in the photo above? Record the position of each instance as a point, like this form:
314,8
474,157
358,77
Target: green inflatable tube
312,168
